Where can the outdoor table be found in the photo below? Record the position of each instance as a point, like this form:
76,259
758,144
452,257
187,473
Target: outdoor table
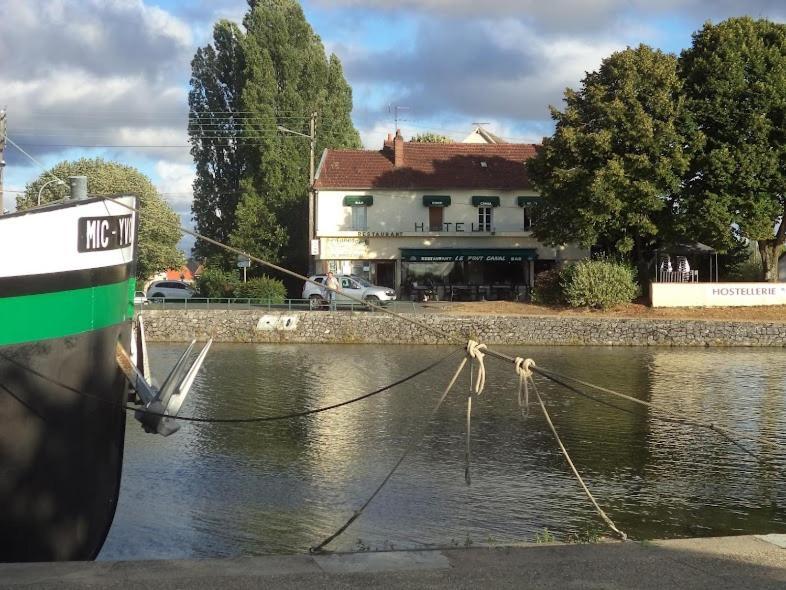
502,291
457,291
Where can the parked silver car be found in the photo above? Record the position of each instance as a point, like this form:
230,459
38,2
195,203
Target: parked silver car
357,287
169,290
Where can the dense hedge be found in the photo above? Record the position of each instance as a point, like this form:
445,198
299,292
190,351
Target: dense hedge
217,284
262,288
597,283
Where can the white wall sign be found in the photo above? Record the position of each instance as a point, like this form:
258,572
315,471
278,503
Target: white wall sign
717,294
344,248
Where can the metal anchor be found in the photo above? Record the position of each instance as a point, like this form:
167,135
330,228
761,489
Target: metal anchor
160,406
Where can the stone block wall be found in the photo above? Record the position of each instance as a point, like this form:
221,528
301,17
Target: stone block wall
376,328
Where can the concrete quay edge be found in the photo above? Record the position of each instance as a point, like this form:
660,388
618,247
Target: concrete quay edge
750,562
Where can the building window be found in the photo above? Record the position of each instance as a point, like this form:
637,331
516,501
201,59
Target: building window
529,216
484,218
359,217
435,218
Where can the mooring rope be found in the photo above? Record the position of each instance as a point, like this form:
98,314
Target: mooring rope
413,441
243,420
575,471
671,416
377,307
475,352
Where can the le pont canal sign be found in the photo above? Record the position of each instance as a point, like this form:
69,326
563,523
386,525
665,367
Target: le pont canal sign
468,254
717,294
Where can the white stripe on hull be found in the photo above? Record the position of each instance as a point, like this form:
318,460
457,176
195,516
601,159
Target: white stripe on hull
46,241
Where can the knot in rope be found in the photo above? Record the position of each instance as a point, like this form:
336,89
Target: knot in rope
475,352
524,371
524,367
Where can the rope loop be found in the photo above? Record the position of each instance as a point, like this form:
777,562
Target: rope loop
524,367
475,352
524,371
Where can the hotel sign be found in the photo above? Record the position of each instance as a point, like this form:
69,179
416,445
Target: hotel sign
717,294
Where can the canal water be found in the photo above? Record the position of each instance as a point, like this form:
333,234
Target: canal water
214,490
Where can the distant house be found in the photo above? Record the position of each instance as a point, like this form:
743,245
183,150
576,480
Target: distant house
179,274
480,135
188,273
455,215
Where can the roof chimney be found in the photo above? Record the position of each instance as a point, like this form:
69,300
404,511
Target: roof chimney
398,150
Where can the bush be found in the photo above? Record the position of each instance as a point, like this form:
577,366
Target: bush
217,284
548,288
599,284
262,288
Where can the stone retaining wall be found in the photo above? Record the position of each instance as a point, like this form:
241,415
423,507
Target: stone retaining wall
374,328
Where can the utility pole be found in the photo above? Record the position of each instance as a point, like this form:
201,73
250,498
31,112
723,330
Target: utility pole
2,157
312,196
312,137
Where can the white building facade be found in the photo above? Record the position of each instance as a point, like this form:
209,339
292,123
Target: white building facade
454,218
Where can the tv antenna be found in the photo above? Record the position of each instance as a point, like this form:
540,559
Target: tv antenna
395,110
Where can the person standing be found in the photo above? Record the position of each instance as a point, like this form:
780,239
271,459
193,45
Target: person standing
331,286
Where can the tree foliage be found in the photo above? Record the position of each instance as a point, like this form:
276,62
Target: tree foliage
429,137
263,287
617,156
158,233
215,126
216,283
279,76
735,84
600,283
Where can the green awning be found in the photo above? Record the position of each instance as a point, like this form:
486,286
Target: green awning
357,201
468,254
485,201
436,201
524,201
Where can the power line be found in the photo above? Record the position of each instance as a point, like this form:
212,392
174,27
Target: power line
13,143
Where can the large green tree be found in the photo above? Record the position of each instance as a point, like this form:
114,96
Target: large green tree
215,125
617,156
735,84
286,76
158,223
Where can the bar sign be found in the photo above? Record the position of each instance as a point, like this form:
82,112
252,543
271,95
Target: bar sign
105,233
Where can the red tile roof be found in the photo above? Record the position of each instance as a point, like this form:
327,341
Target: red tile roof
429,166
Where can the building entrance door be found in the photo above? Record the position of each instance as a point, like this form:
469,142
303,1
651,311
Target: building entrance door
386,274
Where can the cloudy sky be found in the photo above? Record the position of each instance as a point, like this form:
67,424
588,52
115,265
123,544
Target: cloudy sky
110,77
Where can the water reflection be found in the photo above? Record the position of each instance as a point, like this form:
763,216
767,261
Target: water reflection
223,490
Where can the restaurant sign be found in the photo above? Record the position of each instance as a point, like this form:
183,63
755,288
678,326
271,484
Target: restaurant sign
468,255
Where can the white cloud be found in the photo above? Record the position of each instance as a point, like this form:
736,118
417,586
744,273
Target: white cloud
175,183
581,17
502,70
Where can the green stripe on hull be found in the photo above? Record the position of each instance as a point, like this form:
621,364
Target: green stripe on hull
65,313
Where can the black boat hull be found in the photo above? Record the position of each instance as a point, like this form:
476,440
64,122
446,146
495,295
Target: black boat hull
62,426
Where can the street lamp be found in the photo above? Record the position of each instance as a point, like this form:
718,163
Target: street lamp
312,139
57,180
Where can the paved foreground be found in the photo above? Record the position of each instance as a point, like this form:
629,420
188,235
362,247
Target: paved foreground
748,563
